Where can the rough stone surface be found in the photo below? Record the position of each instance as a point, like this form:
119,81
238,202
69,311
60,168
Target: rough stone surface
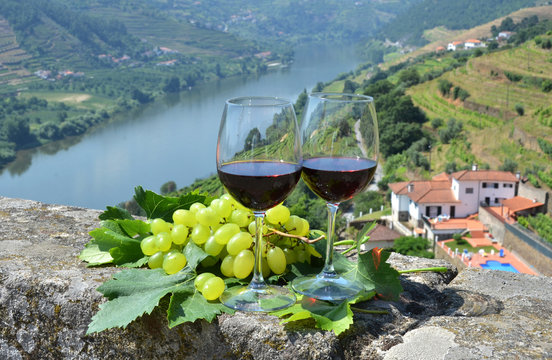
48,296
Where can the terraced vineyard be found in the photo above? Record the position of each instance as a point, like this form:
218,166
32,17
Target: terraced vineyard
11,57
495,129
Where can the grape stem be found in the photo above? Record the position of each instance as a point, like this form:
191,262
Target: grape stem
365,311
437,269
305,239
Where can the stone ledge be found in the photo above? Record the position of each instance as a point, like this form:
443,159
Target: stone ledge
48,296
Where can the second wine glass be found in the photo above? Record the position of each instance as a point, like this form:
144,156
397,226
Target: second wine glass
340,154
259,163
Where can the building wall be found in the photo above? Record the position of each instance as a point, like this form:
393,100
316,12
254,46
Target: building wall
501,192
469,202
494,224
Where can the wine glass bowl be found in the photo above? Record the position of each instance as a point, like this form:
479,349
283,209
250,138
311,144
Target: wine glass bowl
259,163
340,153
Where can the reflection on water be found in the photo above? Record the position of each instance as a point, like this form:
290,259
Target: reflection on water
173,139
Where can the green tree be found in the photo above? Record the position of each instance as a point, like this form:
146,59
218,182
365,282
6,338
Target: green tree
413,246
172,85
17,130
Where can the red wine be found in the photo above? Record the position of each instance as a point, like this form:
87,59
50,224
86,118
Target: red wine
336,179
259,185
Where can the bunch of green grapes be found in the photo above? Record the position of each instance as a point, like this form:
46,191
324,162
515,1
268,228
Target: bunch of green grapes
225,230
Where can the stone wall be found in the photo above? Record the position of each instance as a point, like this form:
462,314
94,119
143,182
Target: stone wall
494,224
540,260
48,296
531,192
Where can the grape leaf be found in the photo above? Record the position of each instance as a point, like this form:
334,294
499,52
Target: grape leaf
194,255
134,227
133,293
158,206
123,249
328,316
94,256
372,271
189,305
114,212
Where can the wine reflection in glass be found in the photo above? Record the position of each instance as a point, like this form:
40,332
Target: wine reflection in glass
259,163
340,154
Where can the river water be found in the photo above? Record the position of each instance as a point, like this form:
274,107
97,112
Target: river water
172,139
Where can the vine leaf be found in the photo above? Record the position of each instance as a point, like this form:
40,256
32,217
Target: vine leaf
133,293
158,206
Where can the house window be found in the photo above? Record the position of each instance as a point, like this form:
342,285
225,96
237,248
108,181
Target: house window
496,185
484,185
469,190
508,185
498,200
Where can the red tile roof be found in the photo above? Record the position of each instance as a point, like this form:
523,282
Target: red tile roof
383,233
520,203
432,191
484,175
475,41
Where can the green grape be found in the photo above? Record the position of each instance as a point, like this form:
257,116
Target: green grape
207,216
201,279
278,214
159,225
223,207
212,247
216,226
200,234
252,228
196,206
265,268
225,232
213,288
243,264
264,247
179,234
293,225
227,266
239,217
305,229
163,241
290,255
239,242
184,217
276,260
209,261
156,260
300,254
149,245
174,262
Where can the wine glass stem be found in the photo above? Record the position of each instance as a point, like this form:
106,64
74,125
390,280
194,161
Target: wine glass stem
328,270
257,282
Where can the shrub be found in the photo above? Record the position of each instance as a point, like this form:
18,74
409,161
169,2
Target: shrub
546,86
437,123
519,109
444,87
413,246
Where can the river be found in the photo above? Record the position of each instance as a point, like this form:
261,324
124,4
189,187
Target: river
172,139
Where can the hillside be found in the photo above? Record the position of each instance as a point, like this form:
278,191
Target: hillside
441,36
494,129
409,27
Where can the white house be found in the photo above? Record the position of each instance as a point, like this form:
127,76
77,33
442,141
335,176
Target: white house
454,45
473,43
457,195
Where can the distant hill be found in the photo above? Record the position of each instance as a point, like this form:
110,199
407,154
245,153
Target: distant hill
409,27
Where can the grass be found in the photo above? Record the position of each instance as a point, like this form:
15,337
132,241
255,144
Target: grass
79,100
374,215
454,244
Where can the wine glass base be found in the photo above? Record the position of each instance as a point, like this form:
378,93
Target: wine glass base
264,299
334,288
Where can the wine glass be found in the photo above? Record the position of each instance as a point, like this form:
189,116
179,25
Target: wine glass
259,163
340,154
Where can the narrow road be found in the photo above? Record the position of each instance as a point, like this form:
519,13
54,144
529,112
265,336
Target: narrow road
379,171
